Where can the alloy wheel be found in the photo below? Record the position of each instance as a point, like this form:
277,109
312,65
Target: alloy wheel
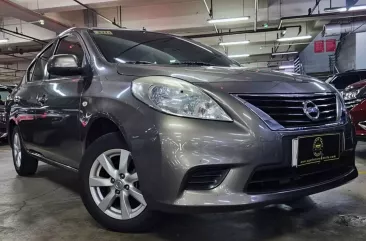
17,150
114,185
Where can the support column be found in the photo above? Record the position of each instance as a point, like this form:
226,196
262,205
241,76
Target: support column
90,18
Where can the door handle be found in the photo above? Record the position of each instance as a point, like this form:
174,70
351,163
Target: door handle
42,99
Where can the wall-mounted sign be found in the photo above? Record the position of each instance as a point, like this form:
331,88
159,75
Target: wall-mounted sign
319,46
330,45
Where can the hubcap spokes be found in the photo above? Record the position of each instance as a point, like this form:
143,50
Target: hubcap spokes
116,191
17,150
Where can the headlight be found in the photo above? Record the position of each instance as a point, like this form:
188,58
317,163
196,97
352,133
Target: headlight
177,97
351,94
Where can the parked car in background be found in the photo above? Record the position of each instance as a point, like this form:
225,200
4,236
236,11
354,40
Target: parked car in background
156,122
342,80
4,92
355,99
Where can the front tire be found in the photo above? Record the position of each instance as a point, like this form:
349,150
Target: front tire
25,165
110,186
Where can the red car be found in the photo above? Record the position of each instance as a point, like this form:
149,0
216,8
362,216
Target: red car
355,98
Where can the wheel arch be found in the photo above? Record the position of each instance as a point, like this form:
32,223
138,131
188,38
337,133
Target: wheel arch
99,125
11,125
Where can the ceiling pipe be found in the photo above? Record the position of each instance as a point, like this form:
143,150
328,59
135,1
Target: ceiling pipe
11,9
337,29
13,69
322,16
310,11
210,13
261,30
256,15
23,35
19,57
100,15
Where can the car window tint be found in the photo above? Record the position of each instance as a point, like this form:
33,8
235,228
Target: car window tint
71,45
362,75
341,82
39,71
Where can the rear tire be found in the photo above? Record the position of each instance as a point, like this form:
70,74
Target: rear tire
25,165
109,186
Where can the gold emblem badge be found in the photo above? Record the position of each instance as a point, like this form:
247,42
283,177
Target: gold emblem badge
318,147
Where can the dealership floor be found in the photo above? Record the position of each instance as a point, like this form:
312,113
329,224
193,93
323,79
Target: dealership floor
47,207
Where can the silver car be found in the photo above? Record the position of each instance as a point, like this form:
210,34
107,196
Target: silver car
155,122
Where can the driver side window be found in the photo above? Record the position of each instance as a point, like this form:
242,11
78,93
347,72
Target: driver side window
71,45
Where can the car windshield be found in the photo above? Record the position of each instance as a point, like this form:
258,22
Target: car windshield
138,47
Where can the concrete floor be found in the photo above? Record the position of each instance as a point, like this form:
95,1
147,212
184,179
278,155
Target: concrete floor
47,207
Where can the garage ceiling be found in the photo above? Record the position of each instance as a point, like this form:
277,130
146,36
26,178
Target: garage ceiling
181,17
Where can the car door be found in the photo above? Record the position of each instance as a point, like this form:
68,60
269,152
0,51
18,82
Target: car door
57,119
25,99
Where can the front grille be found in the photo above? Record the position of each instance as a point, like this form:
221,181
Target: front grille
352,103
269,180
204,178
288,111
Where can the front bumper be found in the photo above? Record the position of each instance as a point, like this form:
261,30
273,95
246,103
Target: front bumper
170,147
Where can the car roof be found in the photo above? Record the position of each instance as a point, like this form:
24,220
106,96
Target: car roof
79,29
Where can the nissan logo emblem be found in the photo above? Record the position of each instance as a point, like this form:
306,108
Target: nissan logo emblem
311,110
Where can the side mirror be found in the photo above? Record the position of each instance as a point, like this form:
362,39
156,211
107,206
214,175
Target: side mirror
64,65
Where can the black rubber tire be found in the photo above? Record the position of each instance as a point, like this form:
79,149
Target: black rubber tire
29,164
142,223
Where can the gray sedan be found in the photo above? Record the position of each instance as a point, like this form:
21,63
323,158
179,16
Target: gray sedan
155,122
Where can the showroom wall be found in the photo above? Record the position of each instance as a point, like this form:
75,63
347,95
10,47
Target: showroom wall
316,62
360,50
347,55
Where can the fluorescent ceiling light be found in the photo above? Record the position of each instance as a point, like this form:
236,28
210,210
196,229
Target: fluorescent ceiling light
293,38
355,8
234,43
286,67
333,10
285,53
227,20
239,55
5,40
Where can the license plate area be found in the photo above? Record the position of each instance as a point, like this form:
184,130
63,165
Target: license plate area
315,149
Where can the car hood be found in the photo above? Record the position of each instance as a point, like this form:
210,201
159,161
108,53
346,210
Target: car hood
356,85
233,79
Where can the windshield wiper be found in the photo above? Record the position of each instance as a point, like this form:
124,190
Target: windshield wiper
139,62
192,63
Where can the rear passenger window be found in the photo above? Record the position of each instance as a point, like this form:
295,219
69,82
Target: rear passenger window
71,45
